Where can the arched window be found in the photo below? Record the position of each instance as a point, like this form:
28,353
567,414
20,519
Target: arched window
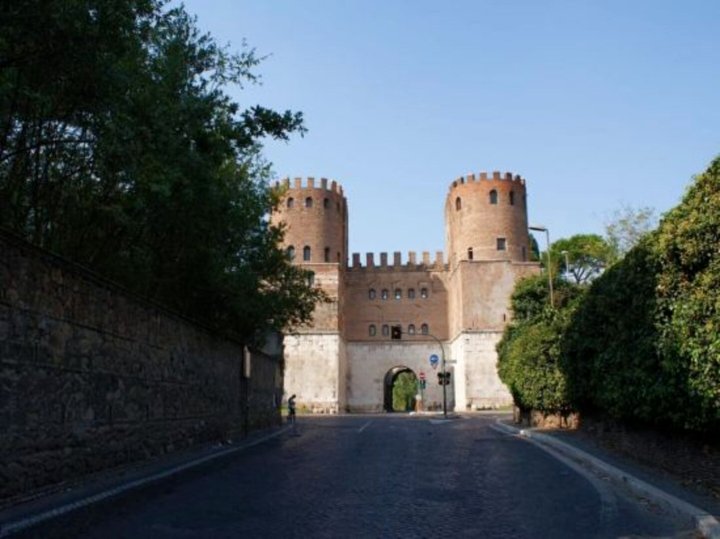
306,253
458,204
398,293
311,278
291,252
524,254
327,254
371,293
384,293
290,202
411,293
501,244
470,253
337,205
308,202
372,330
493,197
326,203
385,330
424,329
411,329
423,292
512,198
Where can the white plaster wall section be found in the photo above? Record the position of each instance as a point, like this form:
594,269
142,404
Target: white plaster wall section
485,389
459,376
370,362
342,379
312,370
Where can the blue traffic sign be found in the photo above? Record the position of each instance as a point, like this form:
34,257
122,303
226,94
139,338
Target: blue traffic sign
434,360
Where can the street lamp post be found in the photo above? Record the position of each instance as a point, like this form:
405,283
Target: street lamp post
567,263
549,265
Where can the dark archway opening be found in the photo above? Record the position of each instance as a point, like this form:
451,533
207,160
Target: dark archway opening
399,390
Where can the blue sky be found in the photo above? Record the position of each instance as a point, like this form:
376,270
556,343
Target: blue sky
597,104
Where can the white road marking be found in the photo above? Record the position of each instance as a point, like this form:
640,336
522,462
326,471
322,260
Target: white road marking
366,425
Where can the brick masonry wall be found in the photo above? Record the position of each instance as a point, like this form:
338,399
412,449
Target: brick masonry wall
362,311
93,378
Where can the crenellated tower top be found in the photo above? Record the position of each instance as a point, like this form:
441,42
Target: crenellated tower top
316,216
486,218
496,176
298,184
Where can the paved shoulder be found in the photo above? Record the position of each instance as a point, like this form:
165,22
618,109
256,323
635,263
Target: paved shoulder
626,475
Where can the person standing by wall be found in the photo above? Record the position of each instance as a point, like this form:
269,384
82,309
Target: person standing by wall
291,410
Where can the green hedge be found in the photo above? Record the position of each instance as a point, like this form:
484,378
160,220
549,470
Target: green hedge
642,343
529,352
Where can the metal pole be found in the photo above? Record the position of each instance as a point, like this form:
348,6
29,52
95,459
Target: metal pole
549,262
567,264
550,283
442,351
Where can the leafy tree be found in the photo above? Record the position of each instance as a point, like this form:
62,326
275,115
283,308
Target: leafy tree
531,296
404,391
587,255
643,344
688,292
529,364
609,350
627,226
120,149
529,353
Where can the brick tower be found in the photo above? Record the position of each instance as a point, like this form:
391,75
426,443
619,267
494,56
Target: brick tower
316,237
486,218
487,242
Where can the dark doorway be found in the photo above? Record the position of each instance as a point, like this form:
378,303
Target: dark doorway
400,388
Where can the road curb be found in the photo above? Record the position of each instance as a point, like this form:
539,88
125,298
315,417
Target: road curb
16,526
705,523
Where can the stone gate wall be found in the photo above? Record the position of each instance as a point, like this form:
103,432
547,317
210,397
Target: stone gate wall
92,377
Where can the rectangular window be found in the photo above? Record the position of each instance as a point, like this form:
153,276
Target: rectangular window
501,244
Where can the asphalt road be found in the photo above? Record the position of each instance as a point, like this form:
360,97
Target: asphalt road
379,476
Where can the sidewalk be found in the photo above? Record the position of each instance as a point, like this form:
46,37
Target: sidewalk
120,482
642,480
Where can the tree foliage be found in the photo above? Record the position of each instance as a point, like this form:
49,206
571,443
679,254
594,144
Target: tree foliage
688,291
626,227
120,149
644,344
587,255
609,351
404,391
529,352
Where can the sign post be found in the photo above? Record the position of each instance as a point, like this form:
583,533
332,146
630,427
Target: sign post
433,363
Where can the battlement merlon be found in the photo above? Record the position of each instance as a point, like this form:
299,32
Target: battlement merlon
397,262
309,183
483,176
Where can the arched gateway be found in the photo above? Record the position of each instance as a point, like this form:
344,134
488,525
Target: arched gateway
404,392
